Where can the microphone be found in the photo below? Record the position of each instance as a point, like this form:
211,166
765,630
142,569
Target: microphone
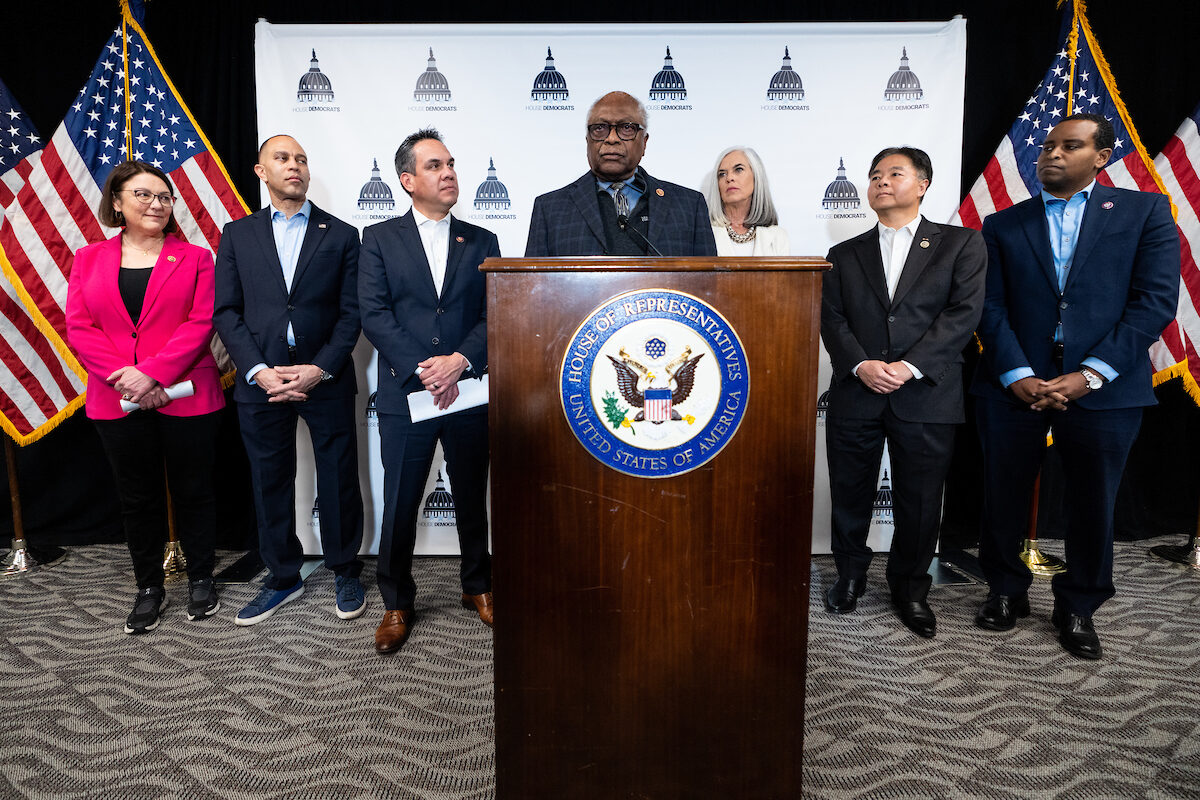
623,224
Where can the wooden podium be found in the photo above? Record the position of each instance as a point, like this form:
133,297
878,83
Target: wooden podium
652,631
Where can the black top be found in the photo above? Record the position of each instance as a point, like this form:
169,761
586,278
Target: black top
132,284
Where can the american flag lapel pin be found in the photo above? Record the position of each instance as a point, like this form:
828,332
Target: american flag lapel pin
1107,204
459,239
171,259
659,192
322,225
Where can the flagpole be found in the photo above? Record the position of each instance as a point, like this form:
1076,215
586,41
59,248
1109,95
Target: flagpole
125,14
1072,52
1188,554
22,559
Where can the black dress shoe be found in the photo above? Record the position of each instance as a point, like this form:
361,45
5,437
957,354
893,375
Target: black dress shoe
917,616
1000,612
842,597
1076,634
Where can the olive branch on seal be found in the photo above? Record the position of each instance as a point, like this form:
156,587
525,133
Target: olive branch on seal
615,413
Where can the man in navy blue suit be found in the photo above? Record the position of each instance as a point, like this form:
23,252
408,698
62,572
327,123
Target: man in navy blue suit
287,310
617,209
423,307
1081,281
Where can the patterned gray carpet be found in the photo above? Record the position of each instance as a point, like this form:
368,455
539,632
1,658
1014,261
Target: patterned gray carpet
301,707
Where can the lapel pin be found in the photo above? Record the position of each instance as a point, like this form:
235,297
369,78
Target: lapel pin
1107,204
171,259
322,225
459,239
659,192
925,243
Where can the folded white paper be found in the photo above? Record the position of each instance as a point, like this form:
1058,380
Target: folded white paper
471,394
175,391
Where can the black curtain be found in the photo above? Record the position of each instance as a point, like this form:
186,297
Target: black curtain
208,50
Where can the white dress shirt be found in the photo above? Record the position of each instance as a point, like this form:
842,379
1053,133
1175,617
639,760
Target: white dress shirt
894,245
435,238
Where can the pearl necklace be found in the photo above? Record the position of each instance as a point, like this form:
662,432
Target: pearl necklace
741,238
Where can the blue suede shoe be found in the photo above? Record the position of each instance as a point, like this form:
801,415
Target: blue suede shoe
266,602
351,598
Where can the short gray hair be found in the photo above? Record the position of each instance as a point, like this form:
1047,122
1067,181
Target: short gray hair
640,106
762,208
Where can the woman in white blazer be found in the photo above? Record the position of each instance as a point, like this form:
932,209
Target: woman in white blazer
740,208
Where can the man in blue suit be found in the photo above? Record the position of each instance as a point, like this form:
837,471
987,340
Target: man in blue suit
287,310
1081,281
617,209
423,307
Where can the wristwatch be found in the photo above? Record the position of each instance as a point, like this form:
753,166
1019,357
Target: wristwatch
1094,381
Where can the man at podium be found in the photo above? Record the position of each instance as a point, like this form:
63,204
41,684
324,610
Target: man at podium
616,208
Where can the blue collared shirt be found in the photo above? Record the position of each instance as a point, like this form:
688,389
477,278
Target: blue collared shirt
630,191
289,237
1064,219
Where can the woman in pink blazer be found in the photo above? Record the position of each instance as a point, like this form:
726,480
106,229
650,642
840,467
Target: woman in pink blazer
139,316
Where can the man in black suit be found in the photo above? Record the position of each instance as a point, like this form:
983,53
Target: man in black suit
617,209
423,307
287,310
1081,281
897,309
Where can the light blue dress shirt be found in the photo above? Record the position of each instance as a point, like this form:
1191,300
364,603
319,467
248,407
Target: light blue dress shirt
289,238
630,191
1064,218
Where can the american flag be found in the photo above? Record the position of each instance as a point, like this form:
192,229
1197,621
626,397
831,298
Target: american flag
1078,81
128,109
41,382
658,405
1178,164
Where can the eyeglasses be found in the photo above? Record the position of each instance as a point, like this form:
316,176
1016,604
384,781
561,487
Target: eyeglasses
598,131
146,197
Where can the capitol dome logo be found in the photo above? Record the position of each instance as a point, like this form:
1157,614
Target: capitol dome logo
376,195
785,91
432,88
903,89
315,90
439,505
668,86
654,383
375,199
492,195
841,199
549,84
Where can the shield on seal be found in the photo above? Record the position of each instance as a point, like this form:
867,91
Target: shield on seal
658,405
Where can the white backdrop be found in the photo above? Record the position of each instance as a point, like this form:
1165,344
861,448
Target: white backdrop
364,102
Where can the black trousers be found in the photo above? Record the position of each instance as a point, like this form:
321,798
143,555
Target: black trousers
1094,446
407,454
148,451
269,433
920,456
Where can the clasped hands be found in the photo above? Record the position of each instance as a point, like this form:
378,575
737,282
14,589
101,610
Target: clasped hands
440,374
289,383
138,387
1050,395
884,378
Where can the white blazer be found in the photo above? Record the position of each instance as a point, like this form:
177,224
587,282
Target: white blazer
768,241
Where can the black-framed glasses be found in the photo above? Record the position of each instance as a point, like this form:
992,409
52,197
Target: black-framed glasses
146,197
626,131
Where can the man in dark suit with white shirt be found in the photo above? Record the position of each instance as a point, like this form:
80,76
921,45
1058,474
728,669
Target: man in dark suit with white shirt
898,308
424,309
616,208
1081,282
287,310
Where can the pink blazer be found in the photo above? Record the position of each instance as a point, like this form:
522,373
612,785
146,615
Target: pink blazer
171,341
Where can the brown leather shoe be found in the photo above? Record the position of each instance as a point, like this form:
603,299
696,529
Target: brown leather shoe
482,603
393,631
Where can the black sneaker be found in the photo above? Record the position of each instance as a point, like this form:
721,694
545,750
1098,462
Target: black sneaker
149,604
202,599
